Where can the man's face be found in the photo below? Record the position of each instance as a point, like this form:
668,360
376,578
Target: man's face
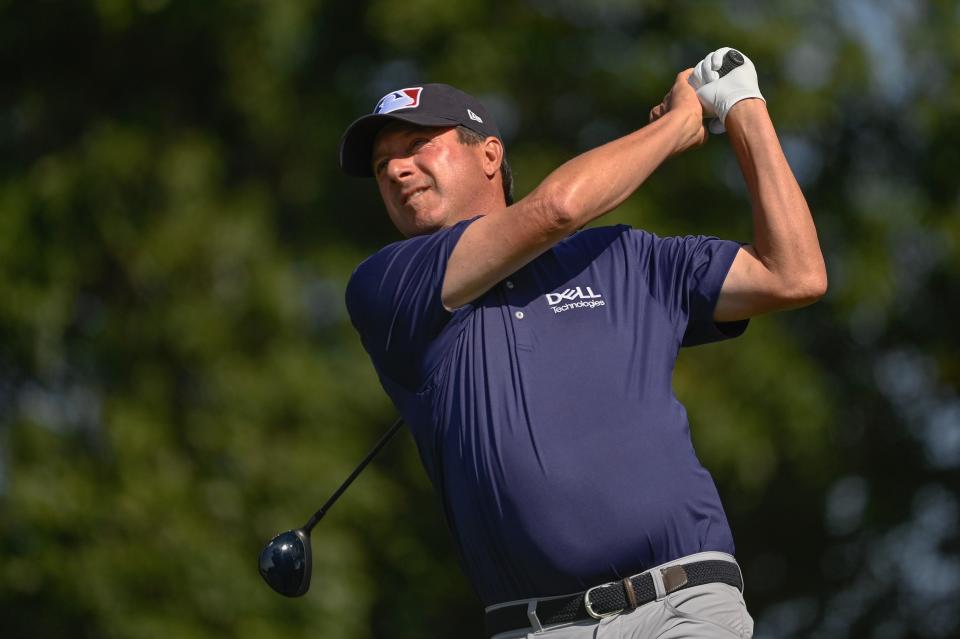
426,176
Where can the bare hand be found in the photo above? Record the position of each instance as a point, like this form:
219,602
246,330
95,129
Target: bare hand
683,101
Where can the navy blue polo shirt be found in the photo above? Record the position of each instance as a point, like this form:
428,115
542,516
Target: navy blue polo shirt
544,411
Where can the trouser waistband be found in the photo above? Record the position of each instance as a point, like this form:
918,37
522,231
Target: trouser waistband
616,596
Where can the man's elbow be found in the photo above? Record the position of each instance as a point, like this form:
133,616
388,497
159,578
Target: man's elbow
559,210
806,290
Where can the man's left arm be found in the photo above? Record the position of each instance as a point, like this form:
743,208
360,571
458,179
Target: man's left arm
783,267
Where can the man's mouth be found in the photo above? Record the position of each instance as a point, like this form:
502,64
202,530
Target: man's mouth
406,198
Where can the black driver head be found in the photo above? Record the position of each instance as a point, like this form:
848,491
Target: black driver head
285,563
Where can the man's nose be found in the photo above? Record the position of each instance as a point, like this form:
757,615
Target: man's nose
400,167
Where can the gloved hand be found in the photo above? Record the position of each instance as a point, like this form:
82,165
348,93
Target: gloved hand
722,79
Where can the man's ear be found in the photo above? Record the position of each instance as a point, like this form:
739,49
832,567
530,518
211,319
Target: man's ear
492,156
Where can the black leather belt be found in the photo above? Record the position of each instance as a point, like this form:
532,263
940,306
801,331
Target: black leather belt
610,598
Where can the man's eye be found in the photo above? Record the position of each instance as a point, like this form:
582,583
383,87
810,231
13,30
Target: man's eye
379,167
417,143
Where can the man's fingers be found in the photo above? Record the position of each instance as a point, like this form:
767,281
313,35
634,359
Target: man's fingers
716,59
705,72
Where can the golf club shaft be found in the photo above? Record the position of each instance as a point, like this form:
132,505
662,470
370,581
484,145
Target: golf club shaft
317,516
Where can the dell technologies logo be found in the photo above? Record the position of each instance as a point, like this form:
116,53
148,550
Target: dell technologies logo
568,299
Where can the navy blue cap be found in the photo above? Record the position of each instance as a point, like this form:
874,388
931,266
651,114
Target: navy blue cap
438,105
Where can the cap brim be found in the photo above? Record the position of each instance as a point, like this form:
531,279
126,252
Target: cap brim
356,146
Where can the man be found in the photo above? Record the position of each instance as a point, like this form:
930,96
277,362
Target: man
533,362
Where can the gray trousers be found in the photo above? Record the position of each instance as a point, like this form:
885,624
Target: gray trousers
700,612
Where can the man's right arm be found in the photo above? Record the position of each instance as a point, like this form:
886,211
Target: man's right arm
579,191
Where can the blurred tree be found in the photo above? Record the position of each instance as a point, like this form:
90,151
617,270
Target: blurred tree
178,380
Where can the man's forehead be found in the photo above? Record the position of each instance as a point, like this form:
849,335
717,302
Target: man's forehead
400,129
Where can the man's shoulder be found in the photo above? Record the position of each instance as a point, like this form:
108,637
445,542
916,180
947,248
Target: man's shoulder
409,248
411,265
609,233
378,257
623,244
595,240
637,238
374,266
595,232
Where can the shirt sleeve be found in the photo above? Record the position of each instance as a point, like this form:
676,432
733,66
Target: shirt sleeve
686,274
393,299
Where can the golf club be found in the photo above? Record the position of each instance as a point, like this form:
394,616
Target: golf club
286,561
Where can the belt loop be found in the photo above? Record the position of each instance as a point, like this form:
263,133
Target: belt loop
658,584
631,593
532,616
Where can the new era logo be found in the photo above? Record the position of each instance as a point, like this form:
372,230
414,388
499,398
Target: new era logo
402,99
474,116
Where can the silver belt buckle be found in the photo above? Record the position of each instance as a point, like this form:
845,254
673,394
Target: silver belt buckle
589,606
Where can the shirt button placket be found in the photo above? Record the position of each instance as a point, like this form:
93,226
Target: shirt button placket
509,284
523,336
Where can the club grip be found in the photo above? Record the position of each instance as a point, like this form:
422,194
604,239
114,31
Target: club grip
731,60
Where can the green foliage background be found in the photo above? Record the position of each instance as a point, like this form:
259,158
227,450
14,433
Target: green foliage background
179,382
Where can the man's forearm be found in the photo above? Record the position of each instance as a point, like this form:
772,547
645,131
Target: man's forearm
784,237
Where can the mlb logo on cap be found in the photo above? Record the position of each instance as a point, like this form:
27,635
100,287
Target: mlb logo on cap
402,99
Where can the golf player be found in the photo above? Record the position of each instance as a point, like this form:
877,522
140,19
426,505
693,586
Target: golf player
532,360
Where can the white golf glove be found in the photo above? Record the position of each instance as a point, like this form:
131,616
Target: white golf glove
722,80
